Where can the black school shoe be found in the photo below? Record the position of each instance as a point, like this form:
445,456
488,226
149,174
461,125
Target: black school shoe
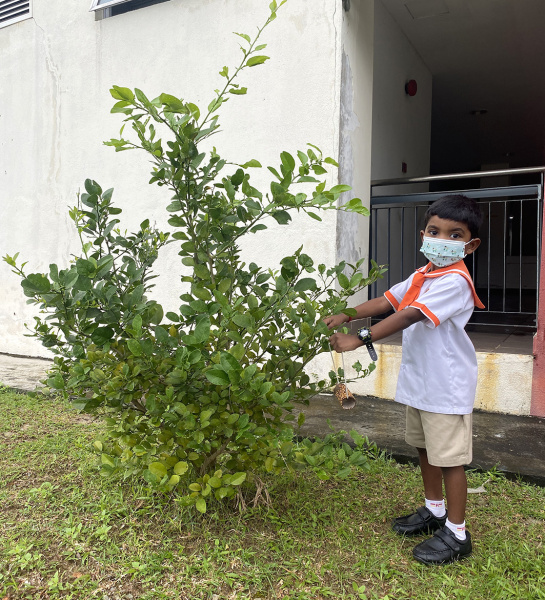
422,521
444,547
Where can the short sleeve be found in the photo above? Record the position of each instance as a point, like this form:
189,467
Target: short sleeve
396,293
446,297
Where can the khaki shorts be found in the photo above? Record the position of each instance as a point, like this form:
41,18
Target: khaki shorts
448,439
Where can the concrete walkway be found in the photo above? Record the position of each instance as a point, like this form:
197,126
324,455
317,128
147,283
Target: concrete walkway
512,444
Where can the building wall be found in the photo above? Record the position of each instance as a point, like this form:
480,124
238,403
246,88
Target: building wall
401,124
55,73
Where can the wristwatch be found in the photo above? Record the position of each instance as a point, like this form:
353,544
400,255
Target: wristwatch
364,334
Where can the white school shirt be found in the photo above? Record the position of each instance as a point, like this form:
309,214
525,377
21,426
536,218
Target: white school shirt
438,370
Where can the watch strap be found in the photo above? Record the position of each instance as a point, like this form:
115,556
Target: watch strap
372,351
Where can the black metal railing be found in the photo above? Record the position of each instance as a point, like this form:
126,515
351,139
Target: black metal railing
505,268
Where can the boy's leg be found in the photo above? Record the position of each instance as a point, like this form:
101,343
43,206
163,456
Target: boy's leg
423,520
445,546
449,448
431,476
456,493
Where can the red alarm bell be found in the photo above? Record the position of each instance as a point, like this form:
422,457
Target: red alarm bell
411,88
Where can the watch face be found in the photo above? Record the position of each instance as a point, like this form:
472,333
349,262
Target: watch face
364,334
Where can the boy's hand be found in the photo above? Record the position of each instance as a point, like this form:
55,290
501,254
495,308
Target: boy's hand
343,342
335,321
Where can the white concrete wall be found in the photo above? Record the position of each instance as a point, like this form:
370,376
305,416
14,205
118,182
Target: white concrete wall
55,73
401,124
504,381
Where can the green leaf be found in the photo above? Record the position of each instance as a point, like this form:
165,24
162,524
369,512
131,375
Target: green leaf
56,382
238,91
36,283
201,505
85,267
180,468
243,320
92,187
217,377
69,278
344,473
343,281
106,460
288,161
158,469
161,335
201,271
229,362
214,482
137,324
202,330
282,217
156,314
356,279
256,60
135,347
302,157
194,357
104,265
172,104
174,480
243,420
244,36
339,189
305,284
238,478
251,163
54,273
102,335
121,93
314,216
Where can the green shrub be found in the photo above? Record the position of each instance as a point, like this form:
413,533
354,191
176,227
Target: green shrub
201,399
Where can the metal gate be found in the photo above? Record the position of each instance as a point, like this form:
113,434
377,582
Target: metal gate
505,268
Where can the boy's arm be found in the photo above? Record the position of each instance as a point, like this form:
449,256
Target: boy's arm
371,308
344,342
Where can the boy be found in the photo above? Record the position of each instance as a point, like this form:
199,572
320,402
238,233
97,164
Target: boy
438,374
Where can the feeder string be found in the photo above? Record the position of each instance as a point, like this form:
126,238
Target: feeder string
344,371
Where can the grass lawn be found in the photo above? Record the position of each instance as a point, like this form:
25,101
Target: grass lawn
67,533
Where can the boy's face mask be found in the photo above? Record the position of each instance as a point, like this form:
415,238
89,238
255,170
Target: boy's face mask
443,253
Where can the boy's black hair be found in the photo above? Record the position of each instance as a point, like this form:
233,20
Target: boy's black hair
457,207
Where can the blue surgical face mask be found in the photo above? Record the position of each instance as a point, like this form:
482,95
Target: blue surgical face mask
443,253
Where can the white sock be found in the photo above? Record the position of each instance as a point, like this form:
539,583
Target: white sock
436,507
458,530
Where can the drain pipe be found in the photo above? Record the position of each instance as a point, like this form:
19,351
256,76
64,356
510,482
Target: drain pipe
537,407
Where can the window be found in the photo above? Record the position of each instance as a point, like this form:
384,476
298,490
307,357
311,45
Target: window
110,8
98,4
12,11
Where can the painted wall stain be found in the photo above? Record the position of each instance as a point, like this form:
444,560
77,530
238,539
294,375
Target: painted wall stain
488,378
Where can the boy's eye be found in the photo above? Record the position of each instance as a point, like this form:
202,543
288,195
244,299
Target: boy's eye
455,236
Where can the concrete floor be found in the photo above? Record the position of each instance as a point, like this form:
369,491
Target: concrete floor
513,444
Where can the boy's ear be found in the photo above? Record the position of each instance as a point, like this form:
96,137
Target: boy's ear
421,235
473,245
